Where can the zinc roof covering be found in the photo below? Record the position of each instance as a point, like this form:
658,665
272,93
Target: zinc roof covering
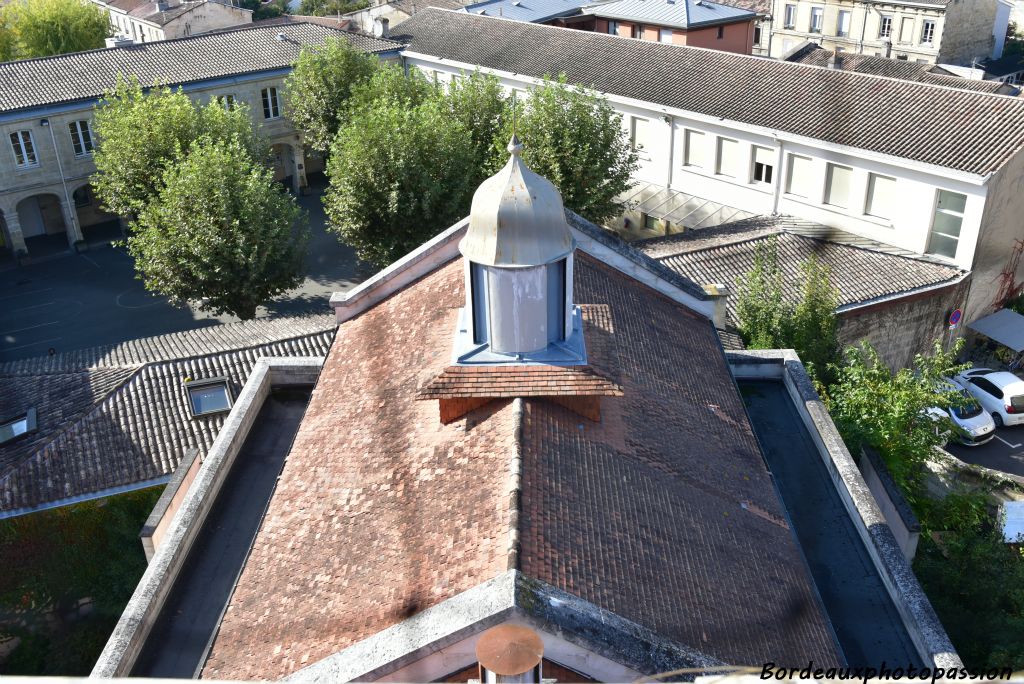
525,10
675,13
87,75
965,131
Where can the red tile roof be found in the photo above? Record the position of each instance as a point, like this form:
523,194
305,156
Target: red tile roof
382,511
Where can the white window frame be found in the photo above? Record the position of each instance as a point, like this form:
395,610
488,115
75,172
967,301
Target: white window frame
770,166
721,143
869,197
271,100
885,26
817,12
840,31
228,101
829,175
906,30
218,382
81,138
787,20
613,27
688,144
640,148
664,35
30,156
810,196
927,31
947,212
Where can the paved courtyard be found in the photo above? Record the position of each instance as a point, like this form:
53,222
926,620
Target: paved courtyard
89,299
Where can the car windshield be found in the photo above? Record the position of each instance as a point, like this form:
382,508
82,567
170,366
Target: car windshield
969,408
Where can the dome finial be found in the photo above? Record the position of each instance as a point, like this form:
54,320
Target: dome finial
514,146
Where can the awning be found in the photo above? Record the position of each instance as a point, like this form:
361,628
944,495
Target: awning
1005,327
683,211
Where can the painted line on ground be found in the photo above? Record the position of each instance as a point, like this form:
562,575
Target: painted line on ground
22,294
34,306
33,344
89,260
31,327
1012,446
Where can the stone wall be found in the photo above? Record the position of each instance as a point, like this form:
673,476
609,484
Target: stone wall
901,328
968,32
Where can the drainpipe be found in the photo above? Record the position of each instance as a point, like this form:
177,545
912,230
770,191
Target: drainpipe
670,120
778,177
72,217
863,29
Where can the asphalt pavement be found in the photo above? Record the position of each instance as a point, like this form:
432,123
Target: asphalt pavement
1005,452
83,300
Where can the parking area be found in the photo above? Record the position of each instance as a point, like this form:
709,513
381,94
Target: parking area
1005,452
83,300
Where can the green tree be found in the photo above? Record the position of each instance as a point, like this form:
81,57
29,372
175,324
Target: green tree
318,88
328,8
265,10
873,405
398,176
763,317
574,138
40,28
390,85
815,326
138,134
479,103
220,231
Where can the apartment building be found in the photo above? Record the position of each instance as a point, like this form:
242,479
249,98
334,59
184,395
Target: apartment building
47,106
927,169
929,31
147,20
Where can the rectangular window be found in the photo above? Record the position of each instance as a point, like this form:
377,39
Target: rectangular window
884,26
638,133
208,396
613,28
817,19
790,20
13,428
843,24
800,180
837,185
728,162
721,32
81,197
271,104
764,165
227,102
637,31
695,153
556,301
906,30
665,35
478,294
757,35
928,32
949,216
24,149
881,200
81,138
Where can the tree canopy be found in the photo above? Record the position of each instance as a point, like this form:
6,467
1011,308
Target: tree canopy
220,232
327,8
140,133
318,88
40,28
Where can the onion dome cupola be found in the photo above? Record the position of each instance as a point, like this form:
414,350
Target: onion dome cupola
518,252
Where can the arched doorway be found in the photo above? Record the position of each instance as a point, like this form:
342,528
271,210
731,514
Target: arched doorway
97,224
43,225
284,166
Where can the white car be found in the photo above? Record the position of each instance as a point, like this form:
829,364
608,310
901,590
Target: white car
1000,393
971,424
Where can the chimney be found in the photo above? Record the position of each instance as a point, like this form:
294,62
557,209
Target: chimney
719,295
832,60
510,653
385,30
162,6
118,41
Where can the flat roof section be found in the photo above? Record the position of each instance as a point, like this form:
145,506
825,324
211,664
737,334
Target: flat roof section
178,643
866,622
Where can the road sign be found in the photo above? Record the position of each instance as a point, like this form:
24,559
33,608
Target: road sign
954,318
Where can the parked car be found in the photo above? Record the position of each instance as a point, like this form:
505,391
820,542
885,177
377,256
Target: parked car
971,424
1000,393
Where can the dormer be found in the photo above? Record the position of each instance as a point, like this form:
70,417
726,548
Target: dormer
518,253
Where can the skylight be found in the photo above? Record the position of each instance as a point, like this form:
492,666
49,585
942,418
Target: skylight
208,396
14,428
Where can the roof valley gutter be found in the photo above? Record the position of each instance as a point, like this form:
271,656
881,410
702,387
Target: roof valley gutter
516,493
82,498
931,169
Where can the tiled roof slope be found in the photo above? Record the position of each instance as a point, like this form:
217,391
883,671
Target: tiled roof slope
966,131
87,75
126,419
726,253
815,55
663,512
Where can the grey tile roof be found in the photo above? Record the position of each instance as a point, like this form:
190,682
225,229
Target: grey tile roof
117,416
677,14
525,10
815,55
760,7
956,129
726,253
87,75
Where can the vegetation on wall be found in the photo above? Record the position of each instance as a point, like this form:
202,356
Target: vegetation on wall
89,551
41,28
328,8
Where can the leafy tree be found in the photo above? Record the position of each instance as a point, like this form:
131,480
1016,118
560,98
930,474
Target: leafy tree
220,231
574,138
140,133
764,317
390,85
40,28
815,327
318,88
327,8
886,410
265,10
479,103
398,176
